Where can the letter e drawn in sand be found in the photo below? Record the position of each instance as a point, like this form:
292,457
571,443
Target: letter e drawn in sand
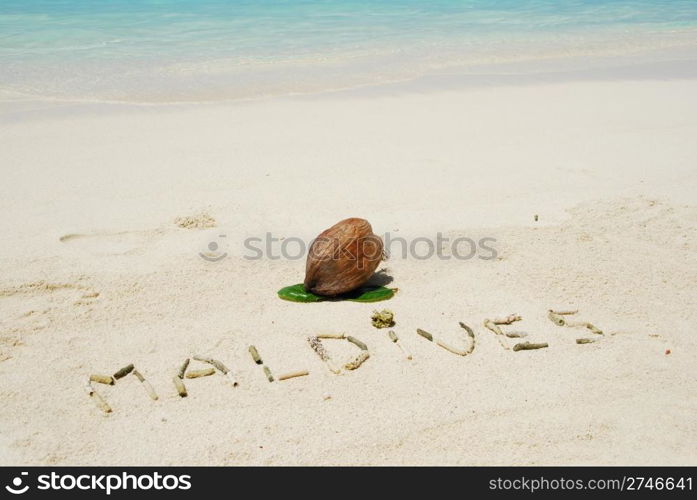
493,325
559,318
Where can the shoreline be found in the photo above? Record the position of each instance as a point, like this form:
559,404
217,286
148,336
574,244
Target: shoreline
679,62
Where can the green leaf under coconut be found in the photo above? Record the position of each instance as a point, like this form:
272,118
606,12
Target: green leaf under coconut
297,293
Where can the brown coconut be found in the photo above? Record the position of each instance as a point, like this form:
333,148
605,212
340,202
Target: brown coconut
342,258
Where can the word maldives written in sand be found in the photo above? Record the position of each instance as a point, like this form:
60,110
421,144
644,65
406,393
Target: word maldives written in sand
210,366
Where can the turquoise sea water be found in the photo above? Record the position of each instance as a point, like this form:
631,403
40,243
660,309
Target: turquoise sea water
161,50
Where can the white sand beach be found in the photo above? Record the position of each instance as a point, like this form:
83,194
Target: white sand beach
95,274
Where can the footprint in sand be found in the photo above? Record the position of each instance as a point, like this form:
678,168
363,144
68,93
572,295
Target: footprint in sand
131,242
105,244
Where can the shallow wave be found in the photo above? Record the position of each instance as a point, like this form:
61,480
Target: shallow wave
186,50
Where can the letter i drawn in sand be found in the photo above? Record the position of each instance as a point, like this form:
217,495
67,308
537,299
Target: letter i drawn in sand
393,337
